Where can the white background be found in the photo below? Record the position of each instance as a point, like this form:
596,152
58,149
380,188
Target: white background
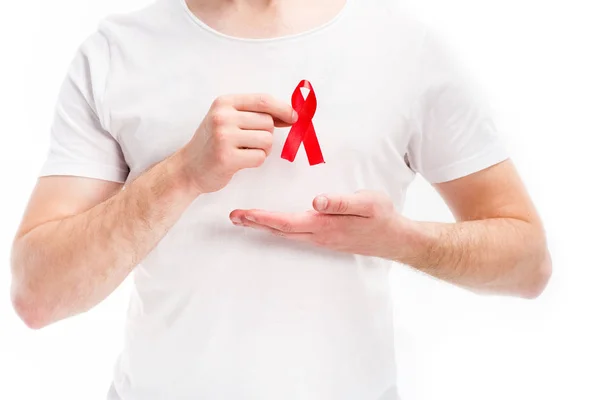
539,60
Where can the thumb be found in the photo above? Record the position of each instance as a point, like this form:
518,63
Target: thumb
361,204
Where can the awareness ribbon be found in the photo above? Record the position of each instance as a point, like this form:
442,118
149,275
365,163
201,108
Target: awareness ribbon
303,130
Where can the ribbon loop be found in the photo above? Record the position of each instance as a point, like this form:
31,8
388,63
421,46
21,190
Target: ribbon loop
303,130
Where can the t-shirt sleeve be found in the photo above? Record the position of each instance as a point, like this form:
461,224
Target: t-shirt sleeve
454,134
80,141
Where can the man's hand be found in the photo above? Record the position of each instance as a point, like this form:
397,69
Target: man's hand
236,133
81,237
496,246
363,223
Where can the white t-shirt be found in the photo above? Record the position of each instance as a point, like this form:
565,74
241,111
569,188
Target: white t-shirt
222,312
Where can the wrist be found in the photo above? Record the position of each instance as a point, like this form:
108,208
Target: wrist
414,241
178,170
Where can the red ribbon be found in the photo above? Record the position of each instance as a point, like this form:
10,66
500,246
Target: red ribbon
303,130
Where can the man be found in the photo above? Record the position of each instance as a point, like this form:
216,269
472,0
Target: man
256,277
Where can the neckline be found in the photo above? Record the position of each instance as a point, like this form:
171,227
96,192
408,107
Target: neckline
275,39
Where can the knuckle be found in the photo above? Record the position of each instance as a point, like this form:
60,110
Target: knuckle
269,123
220,135
268,148
372,208
220,102
260,159
263,102
266,139
218,117
341,206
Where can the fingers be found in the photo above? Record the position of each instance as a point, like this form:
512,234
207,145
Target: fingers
361,204
259,121
281,124
305,222
247,139
264,103
301,237
245,123
249,158
255,121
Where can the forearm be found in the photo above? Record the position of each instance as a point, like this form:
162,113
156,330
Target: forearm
498,255
67,266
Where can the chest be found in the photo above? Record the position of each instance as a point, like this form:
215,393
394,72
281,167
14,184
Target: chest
361,122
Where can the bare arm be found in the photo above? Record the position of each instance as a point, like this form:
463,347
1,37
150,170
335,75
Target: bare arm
81,237
497,244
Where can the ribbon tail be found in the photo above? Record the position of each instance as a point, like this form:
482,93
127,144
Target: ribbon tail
312,147
292,143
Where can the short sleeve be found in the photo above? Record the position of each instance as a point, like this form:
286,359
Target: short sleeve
80,144
454,134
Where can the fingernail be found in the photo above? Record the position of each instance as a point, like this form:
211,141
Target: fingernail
250,218
236,220
321,203
294,116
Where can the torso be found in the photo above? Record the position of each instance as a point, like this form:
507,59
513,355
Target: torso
222,312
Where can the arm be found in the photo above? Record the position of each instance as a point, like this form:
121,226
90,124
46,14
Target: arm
497,244
81,237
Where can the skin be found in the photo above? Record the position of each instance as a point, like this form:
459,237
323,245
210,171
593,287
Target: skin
80,237
492,209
